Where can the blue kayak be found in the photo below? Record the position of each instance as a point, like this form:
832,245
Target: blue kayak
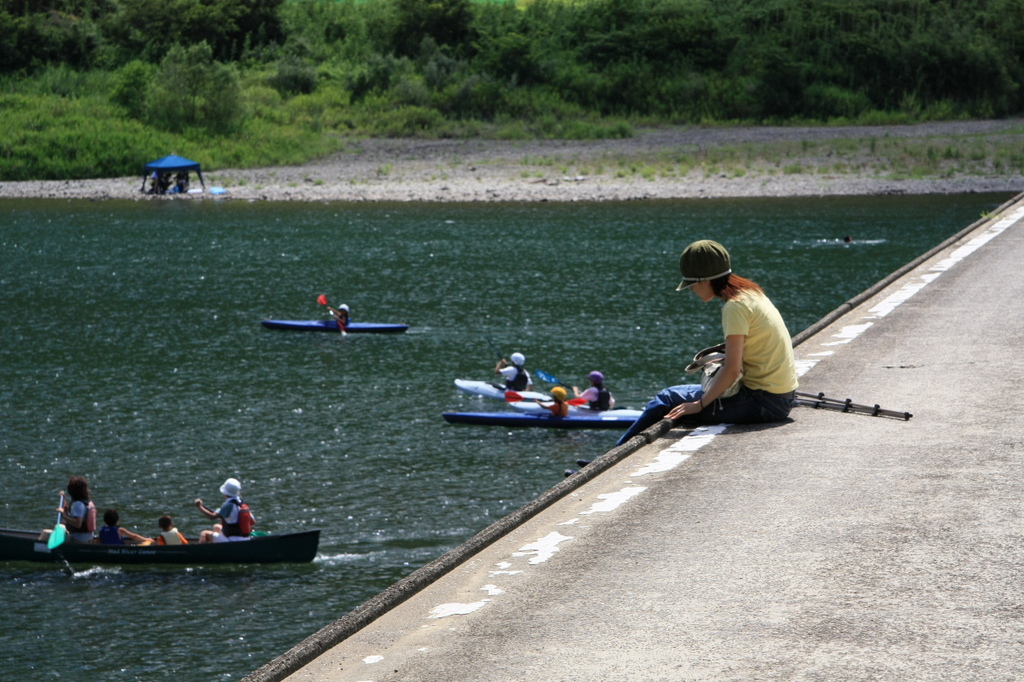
611,419
332,326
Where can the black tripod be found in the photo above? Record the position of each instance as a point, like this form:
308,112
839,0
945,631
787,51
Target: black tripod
820,401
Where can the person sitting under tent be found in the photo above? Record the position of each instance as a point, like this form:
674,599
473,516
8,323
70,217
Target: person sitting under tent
159,174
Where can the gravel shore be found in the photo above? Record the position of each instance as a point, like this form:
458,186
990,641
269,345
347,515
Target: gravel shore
664,163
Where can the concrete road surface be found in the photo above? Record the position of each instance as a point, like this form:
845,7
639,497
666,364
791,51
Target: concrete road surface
837,546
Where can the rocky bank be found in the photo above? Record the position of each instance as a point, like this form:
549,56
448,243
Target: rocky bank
664,163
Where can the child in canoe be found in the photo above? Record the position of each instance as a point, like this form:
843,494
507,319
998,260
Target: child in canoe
168,534
113,534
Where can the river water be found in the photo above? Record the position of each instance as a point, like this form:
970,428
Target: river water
131,353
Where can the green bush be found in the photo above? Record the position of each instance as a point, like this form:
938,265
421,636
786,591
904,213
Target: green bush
446,22
223,74
191,90
130,87
408,121
823,101
294,77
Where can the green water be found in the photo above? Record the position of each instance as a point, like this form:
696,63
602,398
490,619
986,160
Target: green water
131,352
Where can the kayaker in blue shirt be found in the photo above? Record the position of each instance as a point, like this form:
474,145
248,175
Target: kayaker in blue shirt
516,376
113,534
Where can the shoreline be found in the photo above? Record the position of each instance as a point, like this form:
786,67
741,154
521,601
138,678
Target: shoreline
664,163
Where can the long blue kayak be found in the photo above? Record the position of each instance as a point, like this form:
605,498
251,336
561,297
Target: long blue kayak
332,326
612,419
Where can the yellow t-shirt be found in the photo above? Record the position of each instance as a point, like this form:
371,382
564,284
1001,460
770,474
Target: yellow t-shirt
768,363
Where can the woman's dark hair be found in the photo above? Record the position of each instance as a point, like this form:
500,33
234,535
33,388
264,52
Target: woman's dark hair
111,517
728,287
165,522
78,488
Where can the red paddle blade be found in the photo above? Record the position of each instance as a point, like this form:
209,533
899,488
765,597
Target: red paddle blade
512,397
576,401
321,299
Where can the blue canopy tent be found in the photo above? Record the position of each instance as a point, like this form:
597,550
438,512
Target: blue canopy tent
172,164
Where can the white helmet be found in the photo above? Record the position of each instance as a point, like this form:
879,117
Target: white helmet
518,359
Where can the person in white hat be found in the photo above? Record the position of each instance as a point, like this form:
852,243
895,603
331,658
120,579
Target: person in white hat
341,315
515,374
235,519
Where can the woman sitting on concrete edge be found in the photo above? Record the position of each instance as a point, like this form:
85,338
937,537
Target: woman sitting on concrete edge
758,352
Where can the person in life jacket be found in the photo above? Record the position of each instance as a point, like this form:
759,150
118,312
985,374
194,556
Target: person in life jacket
230,528
79,513
516,377
113,534
558,407
341,315
597,396
169,535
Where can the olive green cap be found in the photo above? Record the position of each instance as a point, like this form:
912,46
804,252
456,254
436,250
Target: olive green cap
702,261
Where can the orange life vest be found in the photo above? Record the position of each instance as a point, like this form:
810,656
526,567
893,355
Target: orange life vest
161,539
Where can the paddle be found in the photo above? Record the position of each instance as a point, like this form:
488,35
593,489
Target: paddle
322,300
494,349
59,535
513,397
544,376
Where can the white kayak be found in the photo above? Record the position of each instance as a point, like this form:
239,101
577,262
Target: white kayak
489,390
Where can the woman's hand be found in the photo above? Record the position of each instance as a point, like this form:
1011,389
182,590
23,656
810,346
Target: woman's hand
685,408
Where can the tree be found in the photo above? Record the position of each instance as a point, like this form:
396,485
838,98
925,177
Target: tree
142,28
191,90
131,87
447,22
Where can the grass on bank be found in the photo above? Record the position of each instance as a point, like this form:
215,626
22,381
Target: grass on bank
968,155
96,89
79,134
